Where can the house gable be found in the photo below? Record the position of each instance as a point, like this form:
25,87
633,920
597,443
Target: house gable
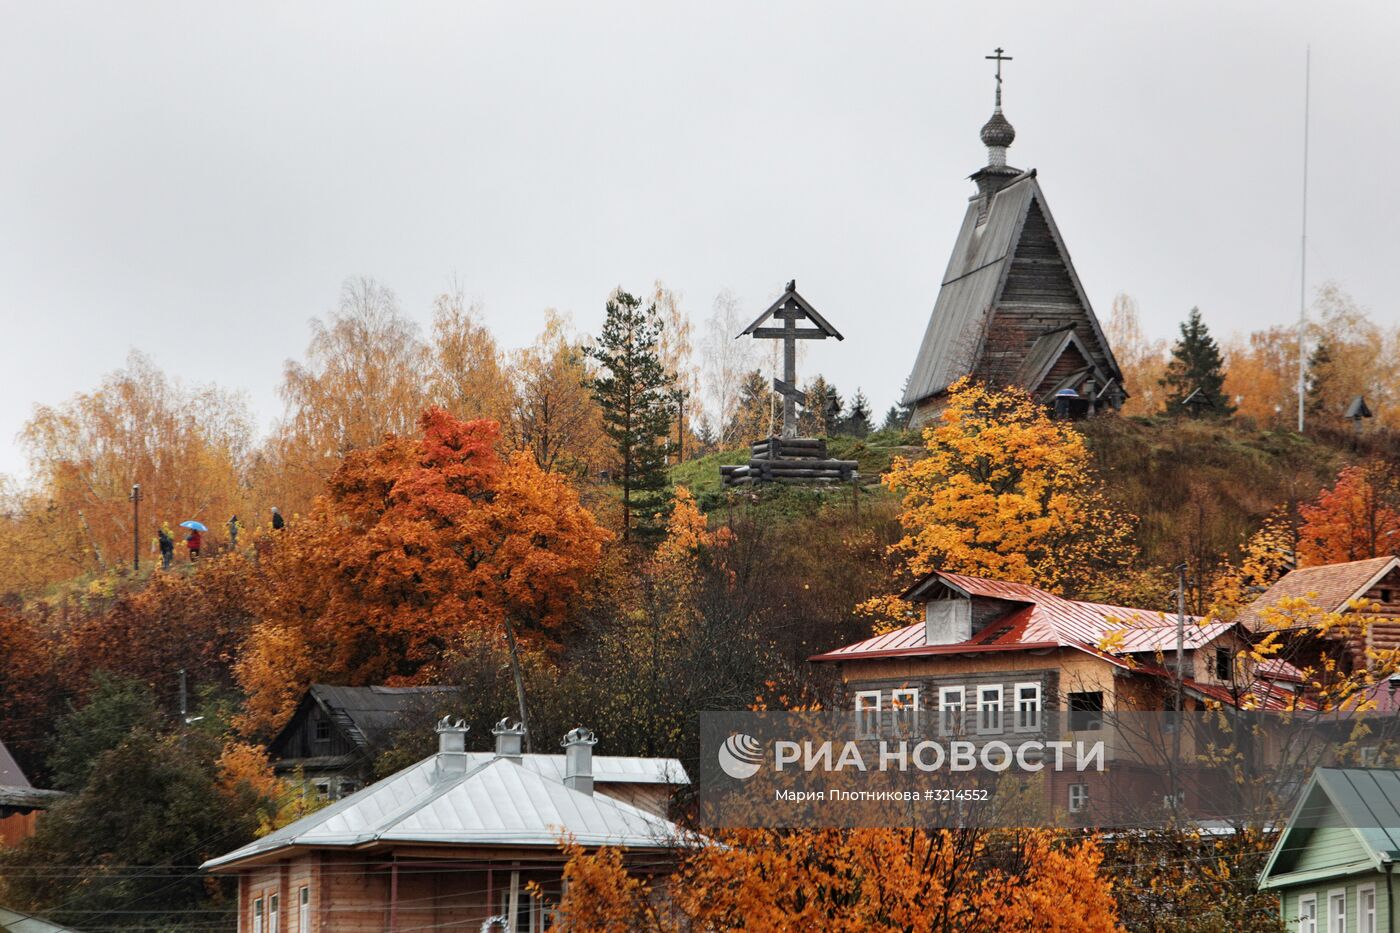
1039,306
313,732
1346,822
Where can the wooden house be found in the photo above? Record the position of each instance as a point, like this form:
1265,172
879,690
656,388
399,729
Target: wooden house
1001,654
1340,588
1011,310
336,733
451,843
1334,863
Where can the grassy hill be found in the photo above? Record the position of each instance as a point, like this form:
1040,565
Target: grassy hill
1199,488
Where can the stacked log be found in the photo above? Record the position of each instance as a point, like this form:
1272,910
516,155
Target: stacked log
789,460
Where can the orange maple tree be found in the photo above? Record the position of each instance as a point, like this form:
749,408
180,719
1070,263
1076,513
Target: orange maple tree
414,542
1354,520
849,881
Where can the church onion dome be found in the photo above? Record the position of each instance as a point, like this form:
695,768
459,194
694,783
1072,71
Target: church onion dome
998,133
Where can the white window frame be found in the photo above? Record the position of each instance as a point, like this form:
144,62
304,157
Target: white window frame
1336,923
1031,721
1366,913
1308,901
867,726
984,726
258,915
958,697
1078,802
274,909
904,711
304,910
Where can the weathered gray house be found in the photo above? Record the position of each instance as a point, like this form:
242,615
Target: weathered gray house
1011,310
336,733
1334,863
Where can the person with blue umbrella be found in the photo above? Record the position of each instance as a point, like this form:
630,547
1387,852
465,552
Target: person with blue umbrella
196,539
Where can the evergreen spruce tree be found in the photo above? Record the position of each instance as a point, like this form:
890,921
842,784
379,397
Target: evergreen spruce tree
754,413
1319,401
857,420
1196,364
899,415
821,412
636,395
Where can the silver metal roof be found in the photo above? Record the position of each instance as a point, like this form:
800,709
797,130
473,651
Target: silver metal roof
10,773
471,799
14,922
607,769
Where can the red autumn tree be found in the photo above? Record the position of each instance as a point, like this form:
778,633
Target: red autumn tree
415,542
1354,520
177,621
31,690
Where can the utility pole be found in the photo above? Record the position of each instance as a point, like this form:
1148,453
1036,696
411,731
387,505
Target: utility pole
680,425
135,498
1303,262
184,707
186,720
1178,712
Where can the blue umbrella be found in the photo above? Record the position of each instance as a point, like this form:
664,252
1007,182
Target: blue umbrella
193,526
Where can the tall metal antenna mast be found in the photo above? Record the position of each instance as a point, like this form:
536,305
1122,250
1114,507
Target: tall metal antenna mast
1303,263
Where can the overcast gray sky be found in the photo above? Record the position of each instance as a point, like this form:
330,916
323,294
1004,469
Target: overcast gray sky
196,180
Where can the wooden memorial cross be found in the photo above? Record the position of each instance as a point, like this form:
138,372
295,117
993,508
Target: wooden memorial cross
790,309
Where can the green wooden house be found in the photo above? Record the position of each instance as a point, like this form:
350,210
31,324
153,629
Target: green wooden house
1333,865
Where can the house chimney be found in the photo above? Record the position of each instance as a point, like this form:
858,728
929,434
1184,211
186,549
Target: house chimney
578,759
510,737
452,746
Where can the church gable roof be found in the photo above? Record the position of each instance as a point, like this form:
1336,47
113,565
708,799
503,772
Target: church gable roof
1008,259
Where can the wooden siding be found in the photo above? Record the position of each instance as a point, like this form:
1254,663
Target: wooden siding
449,891
1385,635
1290,897
1331,847
1038,296
299,740
17,827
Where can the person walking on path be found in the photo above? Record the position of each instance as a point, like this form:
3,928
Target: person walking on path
167,546
233,527
194,542
278,522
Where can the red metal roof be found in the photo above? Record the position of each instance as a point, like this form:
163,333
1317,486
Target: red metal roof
1046,621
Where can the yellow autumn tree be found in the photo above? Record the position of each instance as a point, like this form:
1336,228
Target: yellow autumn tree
553,415
1006,491
185,445
466,370
848,881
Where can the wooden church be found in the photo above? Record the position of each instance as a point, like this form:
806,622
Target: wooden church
1011,310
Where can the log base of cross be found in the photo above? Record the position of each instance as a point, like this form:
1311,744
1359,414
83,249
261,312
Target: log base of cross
789,460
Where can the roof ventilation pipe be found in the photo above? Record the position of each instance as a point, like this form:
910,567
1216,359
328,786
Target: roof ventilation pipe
452,746
510,739
578,759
